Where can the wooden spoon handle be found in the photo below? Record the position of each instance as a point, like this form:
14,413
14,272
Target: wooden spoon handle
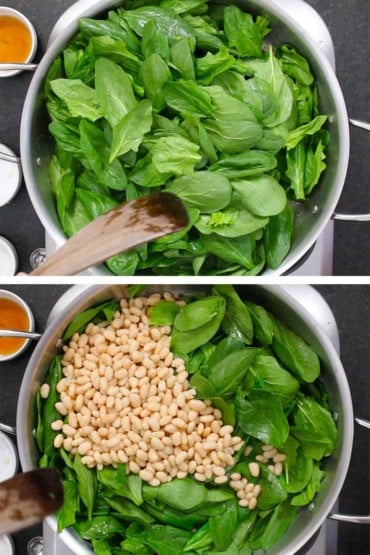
28,498
119,230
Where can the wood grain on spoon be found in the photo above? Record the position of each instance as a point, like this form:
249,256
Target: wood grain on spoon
28,498
119,230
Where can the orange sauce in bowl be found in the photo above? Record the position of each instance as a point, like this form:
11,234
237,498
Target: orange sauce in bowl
13,317
15,40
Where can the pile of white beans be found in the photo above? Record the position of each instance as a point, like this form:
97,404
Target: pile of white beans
128,401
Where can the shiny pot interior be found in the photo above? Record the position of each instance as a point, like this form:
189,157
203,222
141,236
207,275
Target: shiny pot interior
284,307
312,216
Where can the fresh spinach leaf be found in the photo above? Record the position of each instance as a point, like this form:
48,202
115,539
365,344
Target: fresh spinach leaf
282,517
49,412
237,313
272,490
124,264
204,190
277,238
228,373
245,35
314,486
116,51
295,65
66,515
185,494
299,474
187,96
175,155
154,42
233,127
300,133
314,428
80,99
238,250
295,354
129,132
87,484
261,195
119,483
269,71
99,527
113,90
250,163
128,510
274,378
211,65
262,322
200,540
82,319
182,59
261,415
167,21
163,313
154,73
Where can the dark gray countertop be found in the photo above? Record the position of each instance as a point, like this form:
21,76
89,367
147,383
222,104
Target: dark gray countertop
348,22
351,307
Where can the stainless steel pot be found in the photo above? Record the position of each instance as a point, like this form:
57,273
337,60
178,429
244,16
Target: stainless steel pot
312,216
284,306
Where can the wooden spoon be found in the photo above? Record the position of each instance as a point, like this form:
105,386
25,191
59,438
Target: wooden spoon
119,230
28,498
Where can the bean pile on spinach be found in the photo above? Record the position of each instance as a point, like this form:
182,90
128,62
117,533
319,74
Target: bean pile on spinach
266,381
190,98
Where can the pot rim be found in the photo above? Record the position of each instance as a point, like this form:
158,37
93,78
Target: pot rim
323,216
336,369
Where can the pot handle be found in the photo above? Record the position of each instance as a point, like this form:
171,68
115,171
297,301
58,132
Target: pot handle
354,217
355,519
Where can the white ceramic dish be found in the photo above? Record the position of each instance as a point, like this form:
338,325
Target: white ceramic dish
8,459
8,258
5,10
10,176
6,545
4,294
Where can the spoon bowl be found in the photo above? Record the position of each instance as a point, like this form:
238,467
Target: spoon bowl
119,230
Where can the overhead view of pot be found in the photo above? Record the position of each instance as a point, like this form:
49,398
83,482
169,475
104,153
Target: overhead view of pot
312,216
284,306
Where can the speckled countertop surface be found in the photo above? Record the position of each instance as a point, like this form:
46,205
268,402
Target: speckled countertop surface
348,21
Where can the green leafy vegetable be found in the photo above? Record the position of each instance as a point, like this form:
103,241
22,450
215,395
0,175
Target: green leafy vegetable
87,484
261,415
261,195
243,33
80,99
114,90
175,155
314,428
49,412
204,190
311,128
294,352
66,516
257,391
129,132
186,97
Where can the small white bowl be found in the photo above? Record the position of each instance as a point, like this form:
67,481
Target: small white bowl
4,10
4,294
8,458
6,545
